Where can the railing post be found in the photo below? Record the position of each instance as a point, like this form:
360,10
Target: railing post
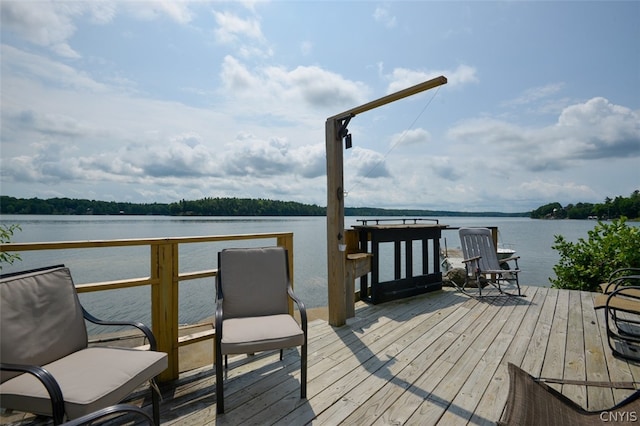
286,241
164,304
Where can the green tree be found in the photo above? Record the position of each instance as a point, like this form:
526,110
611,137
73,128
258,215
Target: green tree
6,232
551,210
587,263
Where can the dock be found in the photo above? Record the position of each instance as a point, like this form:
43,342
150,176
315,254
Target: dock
437,358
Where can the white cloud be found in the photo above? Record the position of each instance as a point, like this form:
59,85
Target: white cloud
382,15
51,24
366,163
306,85
231,26
411,137
540,189
535,94
401,78
47,23
594,130
178,11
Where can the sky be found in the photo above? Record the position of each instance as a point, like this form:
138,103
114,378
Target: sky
159,101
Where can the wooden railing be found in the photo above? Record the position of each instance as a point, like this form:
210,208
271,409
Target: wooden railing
164,279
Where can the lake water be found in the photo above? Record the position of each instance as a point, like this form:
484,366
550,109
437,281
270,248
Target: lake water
532,239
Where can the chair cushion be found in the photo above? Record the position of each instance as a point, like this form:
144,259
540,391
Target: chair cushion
40,318
90,379
254,281
255,334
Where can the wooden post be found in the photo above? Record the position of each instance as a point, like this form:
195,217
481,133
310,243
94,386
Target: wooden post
336,255
164,305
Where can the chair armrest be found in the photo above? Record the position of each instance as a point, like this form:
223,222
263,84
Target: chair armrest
147,332
626,299
619,282
118,410
219,316
301,308
48,381
513,259
626,272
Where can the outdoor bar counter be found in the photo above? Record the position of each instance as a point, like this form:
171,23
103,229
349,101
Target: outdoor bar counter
377,232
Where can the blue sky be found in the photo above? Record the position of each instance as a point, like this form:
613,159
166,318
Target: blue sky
152,101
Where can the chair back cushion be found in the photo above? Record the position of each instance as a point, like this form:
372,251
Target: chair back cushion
40,318
254,281
479,242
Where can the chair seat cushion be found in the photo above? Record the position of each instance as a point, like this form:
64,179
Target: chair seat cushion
255,334
90,379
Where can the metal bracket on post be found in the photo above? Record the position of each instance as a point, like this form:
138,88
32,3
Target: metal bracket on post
343,132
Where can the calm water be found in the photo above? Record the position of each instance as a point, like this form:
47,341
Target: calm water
532,239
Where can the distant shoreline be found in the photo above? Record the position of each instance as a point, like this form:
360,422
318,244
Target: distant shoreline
211,207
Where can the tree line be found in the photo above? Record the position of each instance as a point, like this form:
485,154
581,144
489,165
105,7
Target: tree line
204,207
611,209
615,208
207,207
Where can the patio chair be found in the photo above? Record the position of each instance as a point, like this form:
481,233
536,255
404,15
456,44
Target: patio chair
620,277
621,304
481,262
532,402
252,310
46,365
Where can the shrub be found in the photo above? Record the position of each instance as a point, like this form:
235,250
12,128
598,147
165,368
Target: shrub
6,232
587,263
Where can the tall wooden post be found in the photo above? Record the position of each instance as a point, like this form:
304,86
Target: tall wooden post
336,255
164,305
336,243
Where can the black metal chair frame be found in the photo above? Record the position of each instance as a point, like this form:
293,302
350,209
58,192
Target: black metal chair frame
219,316
49,382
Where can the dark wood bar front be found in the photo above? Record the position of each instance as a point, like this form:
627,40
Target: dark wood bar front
428,278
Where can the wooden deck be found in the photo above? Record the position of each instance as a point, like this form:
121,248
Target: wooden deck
434,359
438,358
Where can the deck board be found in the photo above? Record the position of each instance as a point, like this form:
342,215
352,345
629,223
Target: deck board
438,358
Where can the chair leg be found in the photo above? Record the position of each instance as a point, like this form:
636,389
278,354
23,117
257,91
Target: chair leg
219,384
281,354
303,371
155,401
478,282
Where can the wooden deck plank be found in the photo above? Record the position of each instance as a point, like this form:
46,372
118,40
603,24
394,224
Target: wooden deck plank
519,328
554,357
595,356
408,365
475,340
534,357
574,365
475,387
364,362
439,358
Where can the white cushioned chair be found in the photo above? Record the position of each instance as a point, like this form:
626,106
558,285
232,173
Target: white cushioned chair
252,309
47,367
